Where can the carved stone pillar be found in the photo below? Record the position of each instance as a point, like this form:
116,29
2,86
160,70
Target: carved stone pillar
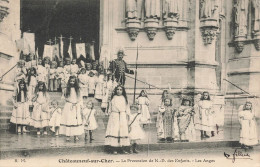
240,14
256,23
151,25
133,27
170,27
209,28
209,16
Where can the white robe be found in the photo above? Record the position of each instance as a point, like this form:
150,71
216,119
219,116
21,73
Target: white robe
117,127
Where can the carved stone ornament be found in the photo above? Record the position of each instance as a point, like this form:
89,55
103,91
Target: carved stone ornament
3,9
257,40
208,35
133,27
151,25
239,45
133,32
257,44
170,31
170,27
209,28
151,32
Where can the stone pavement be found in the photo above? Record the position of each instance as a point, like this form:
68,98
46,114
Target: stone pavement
12,144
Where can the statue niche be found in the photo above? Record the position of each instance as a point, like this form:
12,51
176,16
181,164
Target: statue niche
133,17
256,23
240,13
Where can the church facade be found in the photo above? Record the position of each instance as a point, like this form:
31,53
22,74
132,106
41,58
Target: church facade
189,46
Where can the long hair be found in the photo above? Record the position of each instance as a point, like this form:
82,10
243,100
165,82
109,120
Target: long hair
145,94
30,75
18,98
76,86
44,90
123,92
163,94
202,97
248,102
183,101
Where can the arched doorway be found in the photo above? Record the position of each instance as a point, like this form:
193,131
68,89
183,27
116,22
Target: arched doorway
52,18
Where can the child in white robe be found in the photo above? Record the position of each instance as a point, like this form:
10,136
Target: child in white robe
40,116
55,117
83,83
20,115
247,120
143,103
71,120
89,120
136,132
117,136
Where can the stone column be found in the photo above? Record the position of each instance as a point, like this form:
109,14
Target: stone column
9,33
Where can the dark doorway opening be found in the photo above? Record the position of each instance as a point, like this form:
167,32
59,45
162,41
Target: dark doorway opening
52,18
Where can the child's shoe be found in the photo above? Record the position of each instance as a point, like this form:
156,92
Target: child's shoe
38,133
45,133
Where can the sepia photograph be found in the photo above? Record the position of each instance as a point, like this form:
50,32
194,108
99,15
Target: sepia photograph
129,83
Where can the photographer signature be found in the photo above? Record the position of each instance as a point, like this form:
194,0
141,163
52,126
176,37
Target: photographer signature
238,154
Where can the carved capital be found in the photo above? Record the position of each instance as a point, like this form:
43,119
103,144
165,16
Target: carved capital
151,25
170,27
133,26
3,9
209,28
257,41
133,32
239,45
151,32
257,44
170,31
208,35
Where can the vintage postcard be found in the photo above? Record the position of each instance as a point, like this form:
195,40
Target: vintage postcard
129,83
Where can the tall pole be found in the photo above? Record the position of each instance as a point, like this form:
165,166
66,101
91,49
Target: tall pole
135,73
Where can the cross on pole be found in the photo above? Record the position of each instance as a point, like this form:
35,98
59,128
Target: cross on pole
49,42
70,38
55,40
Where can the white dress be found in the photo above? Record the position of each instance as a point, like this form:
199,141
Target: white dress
99,92
92,84
143,103
42,73
136,132
40,116
108,92
55,118
74,69
206,123
71,121
89,119
117,127
248,131
31,88
83,84
21,114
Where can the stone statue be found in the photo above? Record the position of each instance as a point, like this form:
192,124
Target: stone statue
171,9
208,8
240,17
256,21
131,9
152,9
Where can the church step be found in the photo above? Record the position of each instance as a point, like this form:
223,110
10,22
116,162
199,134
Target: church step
6,113
4,120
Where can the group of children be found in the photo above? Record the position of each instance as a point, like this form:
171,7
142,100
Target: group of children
181,123
31,108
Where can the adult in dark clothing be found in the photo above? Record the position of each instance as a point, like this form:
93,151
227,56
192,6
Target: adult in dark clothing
119,68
